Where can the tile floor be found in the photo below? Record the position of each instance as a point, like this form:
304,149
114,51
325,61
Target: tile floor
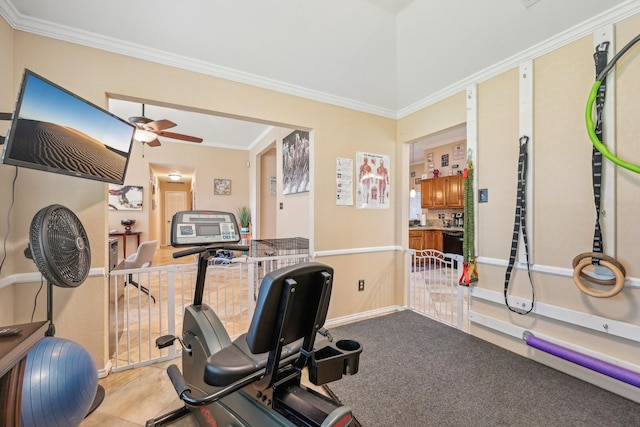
136,395
133,396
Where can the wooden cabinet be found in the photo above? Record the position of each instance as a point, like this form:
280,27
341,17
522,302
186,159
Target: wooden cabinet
455,191
425,239
416,239
442,193
433,240
426,193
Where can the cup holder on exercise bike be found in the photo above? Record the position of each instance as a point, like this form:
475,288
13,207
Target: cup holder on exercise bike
332,361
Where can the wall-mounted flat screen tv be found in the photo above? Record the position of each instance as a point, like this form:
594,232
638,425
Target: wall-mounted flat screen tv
56,131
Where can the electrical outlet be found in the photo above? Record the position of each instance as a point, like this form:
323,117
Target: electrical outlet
361,285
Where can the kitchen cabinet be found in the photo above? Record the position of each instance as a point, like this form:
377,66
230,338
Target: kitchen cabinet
426,193
442,193
433,240
455,191
425,239
416,239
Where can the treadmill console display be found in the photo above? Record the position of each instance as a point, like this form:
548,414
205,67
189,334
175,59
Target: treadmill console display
194,228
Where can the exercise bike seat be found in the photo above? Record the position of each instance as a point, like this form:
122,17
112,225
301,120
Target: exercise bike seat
292,305
236,362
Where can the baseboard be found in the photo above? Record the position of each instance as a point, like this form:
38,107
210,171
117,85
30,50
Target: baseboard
102,373
337,321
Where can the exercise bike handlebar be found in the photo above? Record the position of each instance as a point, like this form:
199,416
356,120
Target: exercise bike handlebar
214,246
184,391
178,381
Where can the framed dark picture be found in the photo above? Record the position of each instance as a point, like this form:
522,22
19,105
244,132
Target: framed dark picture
418,181
222,187
413,174
295,163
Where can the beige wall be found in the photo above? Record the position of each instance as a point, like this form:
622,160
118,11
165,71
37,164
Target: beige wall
208,162
561,205
6,173
94,74
294,219
438,152
563,211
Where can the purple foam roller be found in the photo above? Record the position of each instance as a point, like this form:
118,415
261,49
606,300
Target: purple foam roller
605,368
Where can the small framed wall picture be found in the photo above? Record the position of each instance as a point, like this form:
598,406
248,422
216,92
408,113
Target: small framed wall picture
221,187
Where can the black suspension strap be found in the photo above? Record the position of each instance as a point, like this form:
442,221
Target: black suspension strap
607,270
600,59
520,224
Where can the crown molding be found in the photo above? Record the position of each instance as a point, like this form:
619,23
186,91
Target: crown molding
616,14
85,38
109,44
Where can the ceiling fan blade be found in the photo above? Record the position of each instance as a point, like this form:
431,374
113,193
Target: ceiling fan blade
180,136
159,125
154,143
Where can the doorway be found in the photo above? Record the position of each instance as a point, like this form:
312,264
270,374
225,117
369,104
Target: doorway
174,201
267,195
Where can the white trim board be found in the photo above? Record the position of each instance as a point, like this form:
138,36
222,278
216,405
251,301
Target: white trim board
14,279
518,332
352,251
629,282
597,323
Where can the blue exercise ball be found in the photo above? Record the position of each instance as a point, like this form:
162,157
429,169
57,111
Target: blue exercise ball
60,384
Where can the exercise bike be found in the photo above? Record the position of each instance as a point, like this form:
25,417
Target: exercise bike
255,380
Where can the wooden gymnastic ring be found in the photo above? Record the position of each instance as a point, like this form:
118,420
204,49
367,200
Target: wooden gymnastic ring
598,255
619,285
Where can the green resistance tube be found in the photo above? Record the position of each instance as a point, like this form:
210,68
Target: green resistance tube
594,138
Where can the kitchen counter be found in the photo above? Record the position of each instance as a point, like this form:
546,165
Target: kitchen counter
441,228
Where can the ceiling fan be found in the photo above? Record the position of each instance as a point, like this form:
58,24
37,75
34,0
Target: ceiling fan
148,130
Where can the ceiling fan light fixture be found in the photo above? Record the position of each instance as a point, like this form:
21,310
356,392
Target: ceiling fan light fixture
175,176
144,135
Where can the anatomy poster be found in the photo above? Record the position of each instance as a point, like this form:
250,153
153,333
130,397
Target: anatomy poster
373,185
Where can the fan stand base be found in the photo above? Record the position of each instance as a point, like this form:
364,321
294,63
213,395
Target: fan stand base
97,401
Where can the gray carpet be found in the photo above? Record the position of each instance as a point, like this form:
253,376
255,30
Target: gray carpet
415,371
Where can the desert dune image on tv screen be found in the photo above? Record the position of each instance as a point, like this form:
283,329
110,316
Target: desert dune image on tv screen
58,130
55,146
